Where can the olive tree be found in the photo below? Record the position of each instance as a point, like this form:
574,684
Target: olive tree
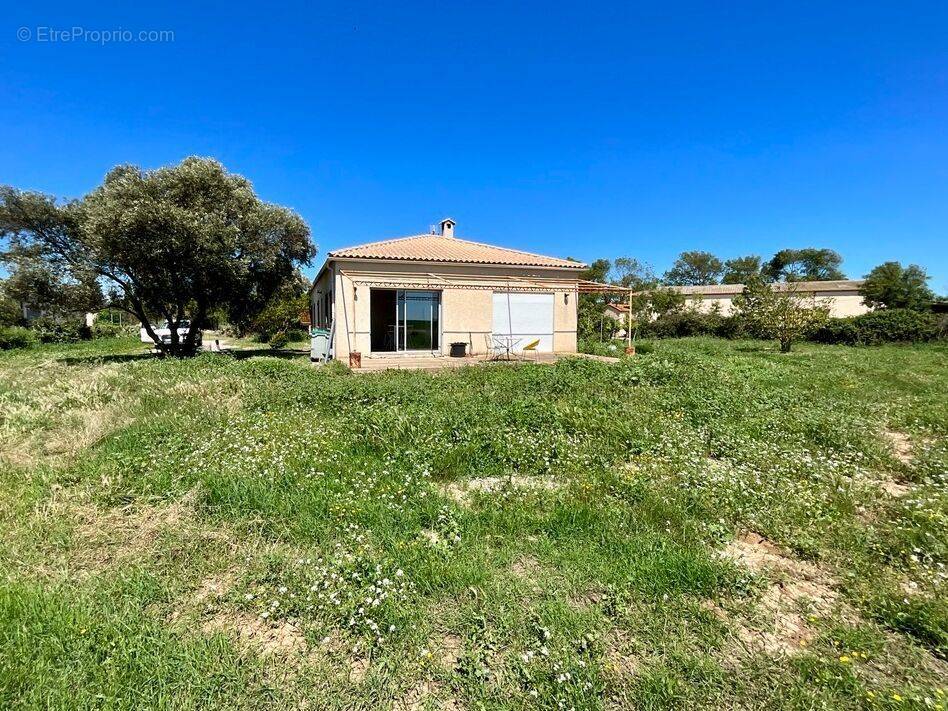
808,264
740,270
694,269
782,312
169,244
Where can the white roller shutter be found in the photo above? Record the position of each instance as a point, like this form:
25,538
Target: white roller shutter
531,317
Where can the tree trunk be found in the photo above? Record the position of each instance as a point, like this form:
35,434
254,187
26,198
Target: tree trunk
785,346
189,347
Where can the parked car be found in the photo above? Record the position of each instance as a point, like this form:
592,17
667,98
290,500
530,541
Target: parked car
163,331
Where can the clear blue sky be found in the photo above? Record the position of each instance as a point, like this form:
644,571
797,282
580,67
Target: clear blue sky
580,129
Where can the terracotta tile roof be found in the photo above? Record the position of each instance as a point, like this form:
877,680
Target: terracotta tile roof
436,248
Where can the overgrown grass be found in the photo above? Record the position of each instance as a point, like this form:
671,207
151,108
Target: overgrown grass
250,532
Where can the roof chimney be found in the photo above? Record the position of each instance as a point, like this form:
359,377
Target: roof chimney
447,227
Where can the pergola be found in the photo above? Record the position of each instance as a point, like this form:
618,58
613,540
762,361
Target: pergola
586,286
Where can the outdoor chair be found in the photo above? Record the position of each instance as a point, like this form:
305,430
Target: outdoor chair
533,346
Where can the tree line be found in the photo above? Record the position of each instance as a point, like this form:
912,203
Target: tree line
888,285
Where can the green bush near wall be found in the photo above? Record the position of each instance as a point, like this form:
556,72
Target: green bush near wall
883,326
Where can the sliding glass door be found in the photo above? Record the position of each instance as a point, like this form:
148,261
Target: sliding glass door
417,320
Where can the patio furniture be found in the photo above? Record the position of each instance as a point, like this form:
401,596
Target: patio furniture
533,346
502,346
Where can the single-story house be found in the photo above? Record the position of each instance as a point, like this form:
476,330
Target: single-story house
419,294
841,295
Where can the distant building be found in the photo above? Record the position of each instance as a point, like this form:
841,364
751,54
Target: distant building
842,295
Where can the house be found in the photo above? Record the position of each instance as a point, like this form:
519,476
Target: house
841,295
419,294
620,312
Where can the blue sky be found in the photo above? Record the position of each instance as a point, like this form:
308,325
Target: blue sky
582,129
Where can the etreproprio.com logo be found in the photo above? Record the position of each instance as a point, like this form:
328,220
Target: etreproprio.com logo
53,35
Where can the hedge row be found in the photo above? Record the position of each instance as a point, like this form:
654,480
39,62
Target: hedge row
883,326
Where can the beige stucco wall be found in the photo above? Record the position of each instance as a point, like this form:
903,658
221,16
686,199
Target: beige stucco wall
466,314
564,321
847,304
841,303
706,304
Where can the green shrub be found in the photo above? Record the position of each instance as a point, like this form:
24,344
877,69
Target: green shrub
16,337
882,326
104,329
50,331
279,340
733,326
681,324
838,330
644,347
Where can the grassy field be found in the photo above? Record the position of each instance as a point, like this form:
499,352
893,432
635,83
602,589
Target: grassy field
707,525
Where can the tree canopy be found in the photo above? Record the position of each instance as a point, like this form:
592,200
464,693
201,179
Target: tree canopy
597,271
35,283
741,270
893,286
694,269
169,244
808,264
630,272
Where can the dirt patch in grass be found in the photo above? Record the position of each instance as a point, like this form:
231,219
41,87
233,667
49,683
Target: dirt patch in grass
430,536
796,591
895,489
526,567
448,651
346,654
266,639
621,659
462,489
213,588
587,599
529,571
901,445
426,694
358,669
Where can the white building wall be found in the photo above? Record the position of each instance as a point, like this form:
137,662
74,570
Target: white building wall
841,303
